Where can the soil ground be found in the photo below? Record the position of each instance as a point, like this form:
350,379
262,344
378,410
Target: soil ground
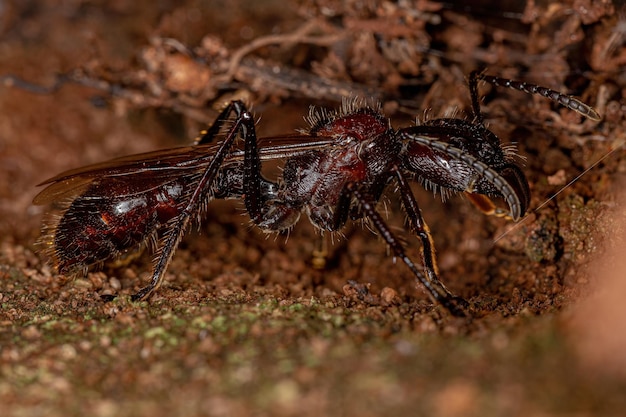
244,325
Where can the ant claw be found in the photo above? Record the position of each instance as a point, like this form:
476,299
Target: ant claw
457,306
107,298
141,294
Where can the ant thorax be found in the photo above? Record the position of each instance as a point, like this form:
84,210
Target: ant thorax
364,150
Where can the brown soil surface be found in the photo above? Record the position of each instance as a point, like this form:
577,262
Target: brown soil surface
244,325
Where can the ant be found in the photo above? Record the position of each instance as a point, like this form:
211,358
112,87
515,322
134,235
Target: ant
335,171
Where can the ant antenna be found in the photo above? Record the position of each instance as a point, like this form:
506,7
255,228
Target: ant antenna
618,145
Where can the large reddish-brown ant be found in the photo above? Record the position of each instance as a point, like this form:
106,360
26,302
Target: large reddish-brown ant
336,170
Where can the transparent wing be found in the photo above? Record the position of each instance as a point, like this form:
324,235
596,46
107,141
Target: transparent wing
166,164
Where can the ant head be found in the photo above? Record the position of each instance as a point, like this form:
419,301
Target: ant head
455,155
472,138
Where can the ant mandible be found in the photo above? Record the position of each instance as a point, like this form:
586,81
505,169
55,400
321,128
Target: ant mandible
335,171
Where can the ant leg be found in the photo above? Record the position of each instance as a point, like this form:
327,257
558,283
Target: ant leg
208,135
320,253
243,121
265,207
564,100
421,229
436,290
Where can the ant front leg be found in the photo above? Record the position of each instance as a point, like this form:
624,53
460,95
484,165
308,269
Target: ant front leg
435,288
419,227
243,122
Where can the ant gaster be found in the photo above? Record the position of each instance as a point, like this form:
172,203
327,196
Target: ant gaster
335,171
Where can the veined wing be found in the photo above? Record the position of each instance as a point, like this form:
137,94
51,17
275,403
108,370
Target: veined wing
166,164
